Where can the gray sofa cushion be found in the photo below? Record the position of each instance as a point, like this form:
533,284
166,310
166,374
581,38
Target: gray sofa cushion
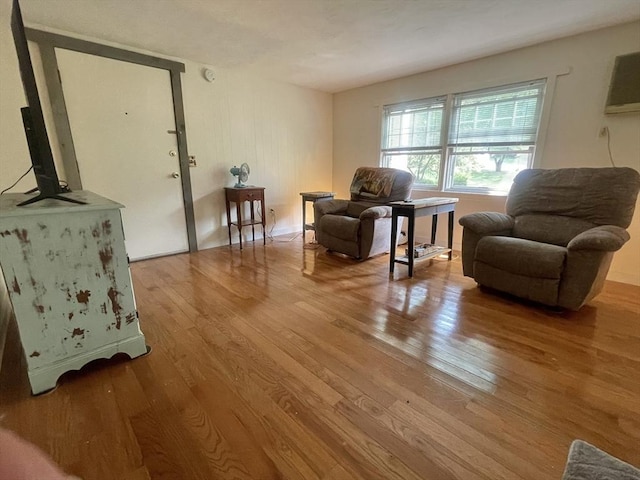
488,223
341,226
603,196
354,209
607,238
554,229
544,290
523,257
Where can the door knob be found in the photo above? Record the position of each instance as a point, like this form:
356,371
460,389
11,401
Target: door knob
175,175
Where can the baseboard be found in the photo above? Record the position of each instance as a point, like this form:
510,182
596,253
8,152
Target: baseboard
622,277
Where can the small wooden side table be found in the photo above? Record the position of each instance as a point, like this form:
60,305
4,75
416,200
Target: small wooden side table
239,195
420,208
311,197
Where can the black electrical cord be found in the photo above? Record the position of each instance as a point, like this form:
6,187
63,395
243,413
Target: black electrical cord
609,147
16,182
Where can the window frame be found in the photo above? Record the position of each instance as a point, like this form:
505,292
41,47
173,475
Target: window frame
386,152
446,170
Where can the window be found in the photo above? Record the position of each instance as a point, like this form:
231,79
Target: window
412,138
491,136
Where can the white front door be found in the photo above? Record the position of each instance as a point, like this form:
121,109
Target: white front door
120,114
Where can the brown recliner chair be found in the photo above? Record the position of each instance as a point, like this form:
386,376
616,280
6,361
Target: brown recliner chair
361,227
556,242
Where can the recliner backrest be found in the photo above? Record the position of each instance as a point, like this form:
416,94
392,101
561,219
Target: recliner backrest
553,229
600,196
381,185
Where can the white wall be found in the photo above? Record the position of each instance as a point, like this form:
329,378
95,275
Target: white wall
282,131
576,117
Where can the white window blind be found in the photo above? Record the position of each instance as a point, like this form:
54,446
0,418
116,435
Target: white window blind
499,116
412,138
466,142
413,125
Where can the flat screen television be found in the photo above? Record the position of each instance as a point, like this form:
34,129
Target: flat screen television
44,167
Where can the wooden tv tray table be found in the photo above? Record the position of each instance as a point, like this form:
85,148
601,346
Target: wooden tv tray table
420,208
239,195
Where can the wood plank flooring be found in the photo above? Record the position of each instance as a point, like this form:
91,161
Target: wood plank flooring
284,362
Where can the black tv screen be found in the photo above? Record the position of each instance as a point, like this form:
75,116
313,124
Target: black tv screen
44,167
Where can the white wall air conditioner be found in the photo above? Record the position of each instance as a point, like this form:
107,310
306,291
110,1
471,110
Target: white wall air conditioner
624,90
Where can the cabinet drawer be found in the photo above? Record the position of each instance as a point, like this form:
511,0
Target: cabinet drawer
248,196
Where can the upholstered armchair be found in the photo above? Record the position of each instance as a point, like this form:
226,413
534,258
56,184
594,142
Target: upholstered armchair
361,227
556,241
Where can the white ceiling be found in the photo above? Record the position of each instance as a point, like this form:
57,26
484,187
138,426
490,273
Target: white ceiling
329,45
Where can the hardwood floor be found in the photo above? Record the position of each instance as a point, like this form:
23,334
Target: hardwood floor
280,362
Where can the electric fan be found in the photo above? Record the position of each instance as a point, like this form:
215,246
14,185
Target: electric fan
242,173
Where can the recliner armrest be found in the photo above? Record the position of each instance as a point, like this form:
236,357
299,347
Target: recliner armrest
376,212
331,207
608,238
485,223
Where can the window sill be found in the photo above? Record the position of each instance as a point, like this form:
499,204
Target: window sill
453,192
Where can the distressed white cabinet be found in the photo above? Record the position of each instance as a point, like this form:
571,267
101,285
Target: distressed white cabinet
67,272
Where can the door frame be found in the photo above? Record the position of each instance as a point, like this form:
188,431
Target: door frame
47,42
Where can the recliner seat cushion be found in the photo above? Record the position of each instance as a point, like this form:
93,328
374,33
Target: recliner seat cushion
341,226
522,257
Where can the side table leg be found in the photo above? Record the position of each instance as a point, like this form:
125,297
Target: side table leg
304,220
239,216
253,225
394,235
450,238
411,239
264,221
434,228
229,221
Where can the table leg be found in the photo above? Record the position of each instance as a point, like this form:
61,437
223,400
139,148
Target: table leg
264,221
304,220
239,221
229,220
410,241
434,228
253,227
450,238
394,235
